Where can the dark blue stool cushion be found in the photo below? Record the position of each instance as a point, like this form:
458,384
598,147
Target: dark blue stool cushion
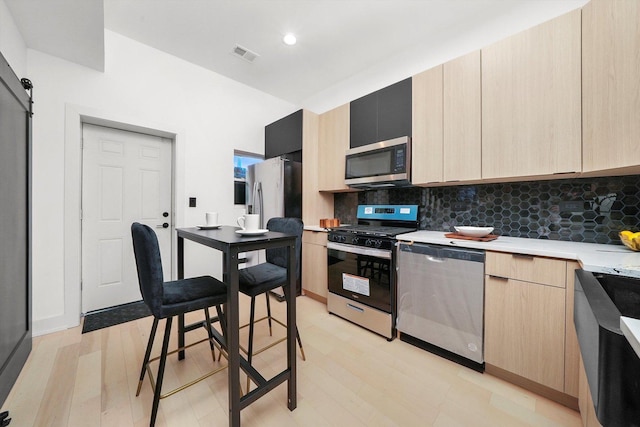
258,279
183,296
278,256
261,278
166,299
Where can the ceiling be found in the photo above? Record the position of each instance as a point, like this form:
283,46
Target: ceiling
338,40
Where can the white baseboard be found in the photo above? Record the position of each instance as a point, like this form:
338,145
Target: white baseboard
50,325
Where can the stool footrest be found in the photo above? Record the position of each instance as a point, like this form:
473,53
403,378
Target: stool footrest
278,341
190,383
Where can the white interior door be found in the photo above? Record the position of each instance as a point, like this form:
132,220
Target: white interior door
126,177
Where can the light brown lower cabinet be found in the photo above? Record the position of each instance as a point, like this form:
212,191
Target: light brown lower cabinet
528,327
525,330
587,411
314,265
571,347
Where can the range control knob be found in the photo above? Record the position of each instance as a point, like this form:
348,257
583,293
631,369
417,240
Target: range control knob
340,239
373,243
355,240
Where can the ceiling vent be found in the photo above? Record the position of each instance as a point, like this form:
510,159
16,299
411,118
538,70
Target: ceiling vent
244,53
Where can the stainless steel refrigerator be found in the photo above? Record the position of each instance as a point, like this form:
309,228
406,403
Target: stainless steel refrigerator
274,189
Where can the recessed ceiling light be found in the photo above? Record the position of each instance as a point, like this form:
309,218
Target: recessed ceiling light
289,39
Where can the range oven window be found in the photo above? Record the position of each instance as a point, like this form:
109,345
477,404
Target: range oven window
361,277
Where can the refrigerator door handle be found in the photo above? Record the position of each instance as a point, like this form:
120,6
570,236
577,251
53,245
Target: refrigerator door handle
260,203
253,198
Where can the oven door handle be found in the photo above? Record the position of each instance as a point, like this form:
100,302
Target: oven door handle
378,253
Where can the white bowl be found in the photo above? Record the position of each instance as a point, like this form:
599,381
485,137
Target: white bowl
474,231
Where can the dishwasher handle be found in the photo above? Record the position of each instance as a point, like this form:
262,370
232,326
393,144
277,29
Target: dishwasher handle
435,252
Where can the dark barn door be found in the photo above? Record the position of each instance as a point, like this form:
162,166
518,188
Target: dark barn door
15,230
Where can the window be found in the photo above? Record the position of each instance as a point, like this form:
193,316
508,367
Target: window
241,160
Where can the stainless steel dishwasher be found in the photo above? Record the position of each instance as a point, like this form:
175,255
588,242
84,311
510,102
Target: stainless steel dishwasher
441,301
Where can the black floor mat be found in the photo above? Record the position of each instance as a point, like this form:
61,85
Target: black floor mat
114,316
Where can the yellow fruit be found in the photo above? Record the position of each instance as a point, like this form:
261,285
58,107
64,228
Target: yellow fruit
630,240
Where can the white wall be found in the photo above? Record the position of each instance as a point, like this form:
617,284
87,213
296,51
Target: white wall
415,58
12,44
210,115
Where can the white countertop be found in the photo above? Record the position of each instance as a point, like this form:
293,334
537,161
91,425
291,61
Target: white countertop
597,258
611,259
631,329
315,228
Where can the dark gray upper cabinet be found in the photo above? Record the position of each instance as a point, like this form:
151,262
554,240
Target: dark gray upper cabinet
363,120
394,111
381,115
284,137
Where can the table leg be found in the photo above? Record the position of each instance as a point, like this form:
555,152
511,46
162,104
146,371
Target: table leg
233,336
181,317
291,329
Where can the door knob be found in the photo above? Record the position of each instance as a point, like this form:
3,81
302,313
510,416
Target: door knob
163,225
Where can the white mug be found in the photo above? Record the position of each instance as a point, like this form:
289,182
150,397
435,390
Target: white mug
212,218
249,222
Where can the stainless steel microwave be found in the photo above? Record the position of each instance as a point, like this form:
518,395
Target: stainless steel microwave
379,165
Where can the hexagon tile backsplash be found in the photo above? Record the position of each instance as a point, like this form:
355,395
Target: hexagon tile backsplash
591,210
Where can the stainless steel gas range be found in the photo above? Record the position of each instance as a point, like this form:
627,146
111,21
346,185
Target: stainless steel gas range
361,265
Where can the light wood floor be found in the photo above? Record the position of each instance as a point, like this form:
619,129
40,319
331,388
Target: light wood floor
352,377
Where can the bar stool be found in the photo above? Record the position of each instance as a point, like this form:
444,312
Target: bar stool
264,277
167,300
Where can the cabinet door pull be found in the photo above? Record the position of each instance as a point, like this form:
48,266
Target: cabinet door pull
523,256
504,279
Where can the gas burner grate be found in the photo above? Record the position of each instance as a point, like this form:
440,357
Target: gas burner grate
374,230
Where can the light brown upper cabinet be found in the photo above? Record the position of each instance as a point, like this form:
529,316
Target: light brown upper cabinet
531,101
427,132
315,205
611,84
333,144
462,118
